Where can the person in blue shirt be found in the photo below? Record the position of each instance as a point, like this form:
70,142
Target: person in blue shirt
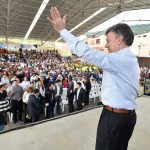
121,75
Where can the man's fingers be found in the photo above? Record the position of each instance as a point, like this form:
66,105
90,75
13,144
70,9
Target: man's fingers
64,18
50,20
55,19
53,14
57,12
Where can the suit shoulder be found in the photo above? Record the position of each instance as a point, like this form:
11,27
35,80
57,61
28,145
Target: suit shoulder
31,96
82,89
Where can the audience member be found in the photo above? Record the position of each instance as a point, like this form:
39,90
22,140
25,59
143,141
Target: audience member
34,106
80,96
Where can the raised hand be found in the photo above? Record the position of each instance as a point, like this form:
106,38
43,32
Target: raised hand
56,20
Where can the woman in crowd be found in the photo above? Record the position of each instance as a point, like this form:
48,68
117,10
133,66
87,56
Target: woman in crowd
41,88
65,83
25,98
4,107
5,78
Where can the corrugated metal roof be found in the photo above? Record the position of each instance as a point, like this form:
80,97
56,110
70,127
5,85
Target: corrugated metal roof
16,16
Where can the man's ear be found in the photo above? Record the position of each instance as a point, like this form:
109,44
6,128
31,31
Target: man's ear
120,39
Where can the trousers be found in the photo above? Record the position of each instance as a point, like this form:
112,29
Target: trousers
114,130
16,107
2,127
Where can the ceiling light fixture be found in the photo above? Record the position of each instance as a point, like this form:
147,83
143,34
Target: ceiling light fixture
36,18
86,20
129,1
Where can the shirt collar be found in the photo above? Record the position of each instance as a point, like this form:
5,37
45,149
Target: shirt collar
79,89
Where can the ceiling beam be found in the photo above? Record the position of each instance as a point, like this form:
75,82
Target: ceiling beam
8,17
45,27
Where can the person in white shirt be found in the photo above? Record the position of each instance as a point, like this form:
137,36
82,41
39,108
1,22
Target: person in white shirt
25,83
25,99
41,88
5,79
34,78
120,83
81,81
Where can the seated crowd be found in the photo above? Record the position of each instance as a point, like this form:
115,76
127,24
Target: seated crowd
33,86
145,74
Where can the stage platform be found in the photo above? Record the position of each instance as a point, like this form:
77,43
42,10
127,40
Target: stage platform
75,132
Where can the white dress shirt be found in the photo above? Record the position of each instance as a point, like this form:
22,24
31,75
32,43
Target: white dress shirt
42,91
58,90
78,91
26,96
121,72
25,84
82,84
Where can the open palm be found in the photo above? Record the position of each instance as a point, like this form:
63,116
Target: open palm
56,20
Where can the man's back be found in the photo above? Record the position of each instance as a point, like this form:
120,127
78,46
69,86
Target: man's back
33,100
119,87
17,92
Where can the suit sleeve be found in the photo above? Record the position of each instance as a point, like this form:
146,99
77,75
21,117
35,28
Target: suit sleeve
61,90
84,96
36,103
46,98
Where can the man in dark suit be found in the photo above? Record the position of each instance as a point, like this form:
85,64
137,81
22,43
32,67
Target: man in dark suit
58,93
34,107
88,89
50,101
80,96
70,96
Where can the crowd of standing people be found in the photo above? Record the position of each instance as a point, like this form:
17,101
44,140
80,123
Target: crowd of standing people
145,74
33,86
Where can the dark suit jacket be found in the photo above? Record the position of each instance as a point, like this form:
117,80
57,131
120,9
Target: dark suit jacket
70,91
88,86
49,96
81,97
60,92
34,107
